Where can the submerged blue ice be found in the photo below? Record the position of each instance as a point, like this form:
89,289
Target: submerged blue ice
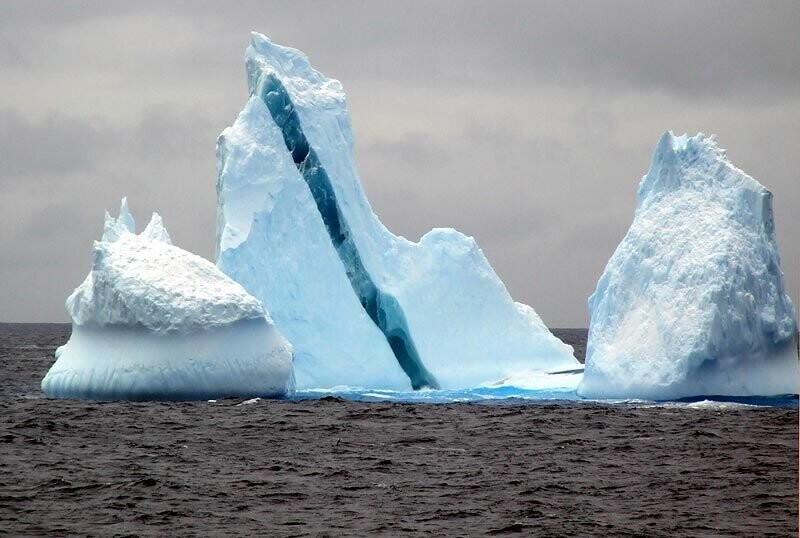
510,395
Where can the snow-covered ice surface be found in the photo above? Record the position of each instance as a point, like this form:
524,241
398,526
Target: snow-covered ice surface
154,322
361,306
692,302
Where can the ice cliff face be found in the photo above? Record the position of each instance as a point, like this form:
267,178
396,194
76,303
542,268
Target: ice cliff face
362,306
152,321
692,302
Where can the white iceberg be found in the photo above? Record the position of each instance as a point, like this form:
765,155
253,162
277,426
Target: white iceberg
692,302
361,306
154,322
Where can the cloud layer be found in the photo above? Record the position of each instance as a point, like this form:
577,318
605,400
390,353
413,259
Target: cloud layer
527,125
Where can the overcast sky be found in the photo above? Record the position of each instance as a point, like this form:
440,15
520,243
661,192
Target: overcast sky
526,125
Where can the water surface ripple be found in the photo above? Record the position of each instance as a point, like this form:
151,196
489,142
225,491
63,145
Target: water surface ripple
337,467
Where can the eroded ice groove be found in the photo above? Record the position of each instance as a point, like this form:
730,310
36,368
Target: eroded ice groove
382,308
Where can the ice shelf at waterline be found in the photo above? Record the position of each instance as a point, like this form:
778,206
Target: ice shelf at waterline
692,302
361,306
154,322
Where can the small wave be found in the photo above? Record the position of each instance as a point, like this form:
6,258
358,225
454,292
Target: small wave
480,394
711,404
509,394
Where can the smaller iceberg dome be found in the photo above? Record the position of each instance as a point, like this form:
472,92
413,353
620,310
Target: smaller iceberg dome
154,322
692,303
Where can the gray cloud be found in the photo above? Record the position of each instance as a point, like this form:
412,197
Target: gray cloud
525,124
54,145
708,50
417,150
711,49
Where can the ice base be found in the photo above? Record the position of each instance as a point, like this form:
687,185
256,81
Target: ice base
245,359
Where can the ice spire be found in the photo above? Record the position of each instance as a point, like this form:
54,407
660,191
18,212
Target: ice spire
156,230
114,228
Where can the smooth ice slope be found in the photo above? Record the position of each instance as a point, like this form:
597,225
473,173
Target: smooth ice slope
154,322
366,308
692,302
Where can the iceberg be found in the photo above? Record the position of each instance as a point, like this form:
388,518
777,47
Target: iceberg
692,302
361,306
154,322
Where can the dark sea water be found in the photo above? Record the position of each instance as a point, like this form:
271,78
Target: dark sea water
334,467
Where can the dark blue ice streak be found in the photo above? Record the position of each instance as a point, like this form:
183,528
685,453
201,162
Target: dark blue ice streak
382,308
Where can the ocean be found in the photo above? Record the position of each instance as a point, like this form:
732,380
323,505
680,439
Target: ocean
374,464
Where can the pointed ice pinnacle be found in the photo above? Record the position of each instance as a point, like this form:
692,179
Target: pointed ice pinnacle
113,228
665,170
125,218
156,231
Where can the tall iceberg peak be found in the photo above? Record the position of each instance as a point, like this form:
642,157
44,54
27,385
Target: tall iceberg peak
306,85
125,218
435,308
692,302
152,321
